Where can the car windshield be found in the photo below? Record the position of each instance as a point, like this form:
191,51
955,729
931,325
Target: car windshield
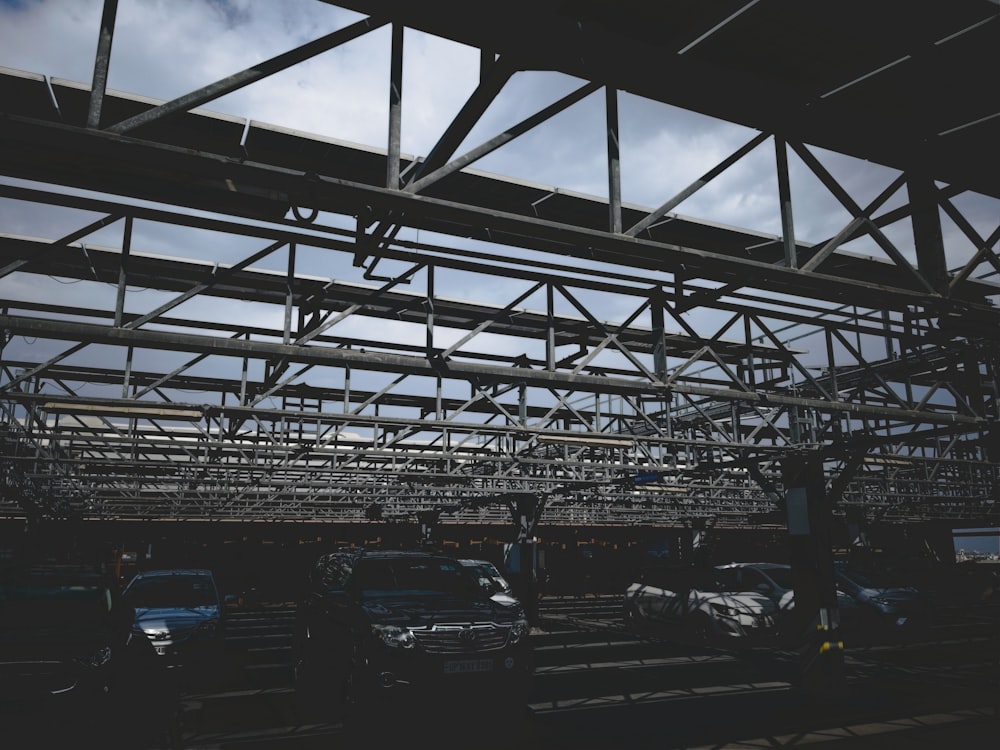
374,577
181,591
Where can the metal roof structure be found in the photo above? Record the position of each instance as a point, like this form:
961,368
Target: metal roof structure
337,377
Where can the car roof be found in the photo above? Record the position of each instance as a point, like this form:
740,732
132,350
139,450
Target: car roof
759,565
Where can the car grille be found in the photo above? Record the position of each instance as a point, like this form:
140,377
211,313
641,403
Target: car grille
461,638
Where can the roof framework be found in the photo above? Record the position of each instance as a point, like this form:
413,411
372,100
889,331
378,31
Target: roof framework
338,377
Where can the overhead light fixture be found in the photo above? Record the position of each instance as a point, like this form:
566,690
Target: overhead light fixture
587,440
143,411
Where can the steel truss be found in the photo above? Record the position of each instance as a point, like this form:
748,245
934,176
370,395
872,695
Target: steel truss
337,376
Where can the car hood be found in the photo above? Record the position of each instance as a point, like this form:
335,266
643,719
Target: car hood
428,609
169,618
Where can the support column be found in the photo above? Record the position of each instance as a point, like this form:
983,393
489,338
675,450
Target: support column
521,556
815,624
927,235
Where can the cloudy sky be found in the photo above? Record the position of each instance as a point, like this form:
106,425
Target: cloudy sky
166,48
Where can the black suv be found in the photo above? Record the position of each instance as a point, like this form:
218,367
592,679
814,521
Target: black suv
408,628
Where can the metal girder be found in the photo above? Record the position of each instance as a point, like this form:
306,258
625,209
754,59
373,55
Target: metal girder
316,368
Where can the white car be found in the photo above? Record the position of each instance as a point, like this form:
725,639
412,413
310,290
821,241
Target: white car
700,605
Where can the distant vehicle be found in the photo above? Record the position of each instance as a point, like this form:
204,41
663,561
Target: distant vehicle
72,672
407,630
492,580
886,602
698,605
180,612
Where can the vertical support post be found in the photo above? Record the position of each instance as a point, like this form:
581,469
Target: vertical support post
395,108
243,377
289,294
102,61
658,333
438,401
614,162
926,220
751,366
815,622
785,196
123,273
890,350
127,375
429,320
550,329
347,390
522,554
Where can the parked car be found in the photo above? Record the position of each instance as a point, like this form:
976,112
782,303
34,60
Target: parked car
181,613
492,580
774,580
888,605
410,630
700,605
72,672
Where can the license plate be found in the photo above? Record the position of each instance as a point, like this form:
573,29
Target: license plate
161,650
464,666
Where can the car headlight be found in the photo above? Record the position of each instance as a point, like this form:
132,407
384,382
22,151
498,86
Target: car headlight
725,610
97,659
518,631
394,636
